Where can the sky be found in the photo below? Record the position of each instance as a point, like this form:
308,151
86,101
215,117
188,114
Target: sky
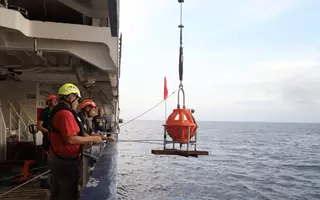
248,60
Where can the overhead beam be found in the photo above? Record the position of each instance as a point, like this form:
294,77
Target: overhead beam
96,12
49,77
10,19
94,53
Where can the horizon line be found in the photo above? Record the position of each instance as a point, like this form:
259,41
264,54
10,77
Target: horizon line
284,122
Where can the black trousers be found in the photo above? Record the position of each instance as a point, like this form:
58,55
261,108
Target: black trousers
45,141
65,177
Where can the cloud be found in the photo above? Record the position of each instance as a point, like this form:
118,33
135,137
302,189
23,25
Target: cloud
284,70
290,84
138,17
256,11
231,16
279,90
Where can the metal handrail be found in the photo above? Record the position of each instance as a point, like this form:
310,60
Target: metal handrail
22,121
3,131
25,112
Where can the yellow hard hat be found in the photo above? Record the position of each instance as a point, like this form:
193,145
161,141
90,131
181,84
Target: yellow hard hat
69,88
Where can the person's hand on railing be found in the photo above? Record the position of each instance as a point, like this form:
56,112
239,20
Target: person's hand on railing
96,139
108,139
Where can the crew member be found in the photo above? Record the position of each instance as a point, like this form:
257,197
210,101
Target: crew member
42,123
87,110
99,122
66,136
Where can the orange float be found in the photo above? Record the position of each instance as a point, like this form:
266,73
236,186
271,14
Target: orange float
181,125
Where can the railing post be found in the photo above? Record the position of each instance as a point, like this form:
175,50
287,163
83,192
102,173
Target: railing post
6,3
3,132
188,138
164,137
22,121
10,120
195,140
19,130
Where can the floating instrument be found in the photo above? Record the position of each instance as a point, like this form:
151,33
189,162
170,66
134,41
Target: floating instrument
180,125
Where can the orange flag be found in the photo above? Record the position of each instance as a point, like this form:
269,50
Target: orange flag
165,94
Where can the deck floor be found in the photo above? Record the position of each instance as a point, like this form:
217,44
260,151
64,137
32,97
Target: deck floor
27,194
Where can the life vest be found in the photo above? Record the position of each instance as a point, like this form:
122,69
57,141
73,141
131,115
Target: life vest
52,130
85,123
45,136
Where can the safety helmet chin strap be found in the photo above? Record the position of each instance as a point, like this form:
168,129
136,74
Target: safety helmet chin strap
65,98
88,112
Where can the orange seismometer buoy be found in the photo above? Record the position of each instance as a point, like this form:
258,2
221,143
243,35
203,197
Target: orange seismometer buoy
180,125
182,129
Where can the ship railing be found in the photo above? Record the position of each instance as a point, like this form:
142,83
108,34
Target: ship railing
3,135
19,118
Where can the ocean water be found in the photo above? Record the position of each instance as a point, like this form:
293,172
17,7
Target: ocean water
246,161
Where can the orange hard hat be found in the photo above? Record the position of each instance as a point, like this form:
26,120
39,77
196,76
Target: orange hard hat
87,102
50,97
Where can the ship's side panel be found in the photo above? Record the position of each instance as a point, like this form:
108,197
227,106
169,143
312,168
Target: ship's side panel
103,182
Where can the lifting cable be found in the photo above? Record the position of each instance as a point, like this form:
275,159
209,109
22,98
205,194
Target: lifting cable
181,60
181,47
146,141
148,110
10,177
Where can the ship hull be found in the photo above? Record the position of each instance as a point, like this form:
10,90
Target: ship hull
103,182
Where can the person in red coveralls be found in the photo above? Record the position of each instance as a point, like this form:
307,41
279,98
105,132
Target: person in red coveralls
66,137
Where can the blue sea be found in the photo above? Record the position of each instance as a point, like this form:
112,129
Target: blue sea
246,161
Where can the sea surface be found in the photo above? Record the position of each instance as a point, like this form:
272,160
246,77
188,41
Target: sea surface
246,161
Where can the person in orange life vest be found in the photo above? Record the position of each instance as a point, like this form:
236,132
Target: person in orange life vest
42,123
66,137
88,108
